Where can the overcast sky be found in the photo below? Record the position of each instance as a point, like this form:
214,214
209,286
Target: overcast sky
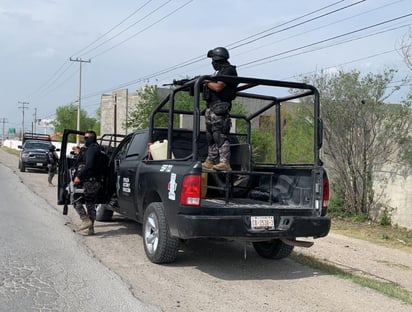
130,43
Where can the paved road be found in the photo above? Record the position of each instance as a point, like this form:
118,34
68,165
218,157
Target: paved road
215,276
43,266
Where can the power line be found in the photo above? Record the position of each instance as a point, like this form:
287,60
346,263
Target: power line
134,24
60,72
299,24
259,61
186,63
50,83
144,29
324,47
325,40
320,27
200,58
285,23
113,28
342,64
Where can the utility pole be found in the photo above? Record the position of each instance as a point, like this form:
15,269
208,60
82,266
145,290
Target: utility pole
127,106
3,121
80,94
23,107
115,114
35,119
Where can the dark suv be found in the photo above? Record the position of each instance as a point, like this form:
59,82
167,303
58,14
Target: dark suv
34,150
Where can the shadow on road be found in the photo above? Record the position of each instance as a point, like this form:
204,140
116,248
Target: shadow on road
225,260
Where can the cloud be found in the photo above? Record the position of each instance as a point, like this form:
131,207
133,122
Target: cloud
18,17
45,53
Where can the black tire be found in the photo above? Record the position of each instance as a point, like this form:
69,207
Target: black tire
22,167
159,246
274,249
103,214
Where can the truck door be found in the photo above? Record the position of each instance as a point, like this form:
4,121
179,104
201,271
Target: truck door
127,176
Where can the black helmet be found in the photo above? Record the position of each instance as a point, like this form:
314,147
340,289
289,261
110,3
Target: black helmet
218,54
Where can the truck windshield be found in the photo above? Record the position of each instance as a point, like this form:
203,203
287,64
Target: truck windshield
37,145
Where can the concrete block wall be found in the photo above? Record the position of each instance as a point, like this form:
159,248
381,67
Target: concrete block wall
117,102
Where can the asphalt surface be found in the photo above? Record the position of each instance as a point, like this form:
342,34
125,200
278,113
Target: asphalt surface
43,264
359,256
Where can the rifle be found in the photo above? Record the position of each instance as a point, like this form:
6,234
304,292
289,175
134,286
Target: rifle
72,190
180,82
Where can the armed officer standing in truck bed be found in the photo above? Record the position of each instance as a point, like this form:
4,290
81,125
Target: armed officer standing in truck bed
219,96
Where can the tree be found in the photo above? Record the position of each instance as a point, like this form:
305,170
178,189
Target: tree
362,134
139,114
66,118
406,49
406,52
149,99
297,134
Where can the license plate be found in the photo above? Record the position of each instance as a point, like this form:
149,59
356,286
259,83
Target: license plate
39,164
262,222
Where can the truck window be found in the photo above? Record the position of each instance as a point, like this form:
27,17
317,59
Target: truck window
138,146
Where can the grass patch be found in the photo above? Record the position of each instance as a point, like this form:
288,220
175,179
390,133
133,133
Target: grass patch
387,288
390,236
11,150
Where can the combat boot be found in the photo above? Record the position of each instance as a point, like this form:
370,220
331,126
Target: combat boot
90,230
86,223
222,166
208,164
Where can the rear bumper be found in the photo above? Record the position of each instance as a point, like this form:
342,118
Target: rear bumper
239,227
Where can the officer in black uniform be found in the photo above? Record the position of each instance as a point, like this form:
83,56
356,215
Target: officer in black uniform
52,162
90,177
219,96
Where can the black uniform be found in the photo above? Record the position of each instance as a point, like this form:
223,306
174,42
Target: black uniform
52,162
90,177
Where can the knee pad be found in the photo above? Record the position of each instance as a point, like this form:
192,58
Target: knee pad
218,138
209,127
209,138
227,124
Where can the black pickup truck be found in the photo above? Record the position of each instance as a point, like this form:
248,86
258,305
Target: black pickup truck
155,175
33,151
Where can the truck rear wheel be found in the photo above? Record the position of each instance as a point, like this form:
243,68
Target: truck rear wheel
159,246
274,249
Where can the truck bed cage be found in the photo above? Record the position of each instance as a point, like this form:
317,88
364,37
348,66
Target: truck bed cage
248,88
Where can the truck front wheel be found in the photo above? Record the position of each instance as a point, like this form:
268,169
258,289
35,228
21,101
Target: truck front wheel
103,214
274,249
159,246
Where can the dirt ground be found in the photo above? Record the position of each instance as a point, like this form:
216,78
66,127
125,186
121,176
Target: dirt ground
223,276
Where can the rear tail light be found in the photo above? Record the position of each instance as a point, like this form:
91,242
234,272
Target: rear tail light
191,190
325,199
